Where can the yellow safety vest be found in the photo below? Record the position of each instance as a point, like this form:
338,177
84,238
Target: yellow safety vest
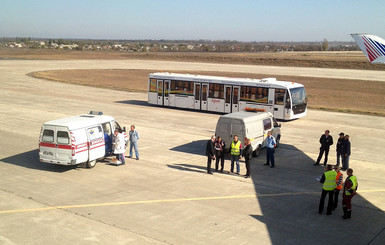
330,180
353,179
235,148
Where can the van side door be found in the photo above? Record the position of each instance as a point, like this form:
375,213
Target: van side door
96,145
267,126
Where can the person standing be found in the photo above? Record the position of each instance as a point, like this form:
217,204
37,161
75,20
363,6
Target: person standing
329,184
350,189
248,155
339,148
210,153
133,138
219,147
326,141
235,152
339,182
270,149
345,153
118,144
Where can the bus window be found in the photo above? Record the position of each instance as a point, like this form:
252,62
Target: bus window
152,85
279,96
235,95
267,124
62,137
216,90
197,91
288,103
182,88
204,92
254,94
228,95
160,87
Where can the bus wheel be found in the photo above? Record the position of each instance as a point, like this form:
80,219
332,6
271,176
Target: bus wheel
91,164
257,151
277,141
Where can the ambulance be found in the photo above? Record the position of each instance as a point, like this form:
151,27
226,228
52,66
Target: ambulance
80,139
248,124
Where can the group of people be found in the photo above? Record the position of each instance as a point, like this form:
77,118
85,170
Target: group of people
332,181
120,142
215,150
342,149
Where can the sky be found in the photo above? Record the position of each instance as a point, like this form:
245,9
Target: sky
241,20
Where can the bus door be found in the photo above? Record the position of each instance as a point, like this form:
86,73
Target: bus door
197,95
279,101
287,105
160,92
235,99
204,96
227,99
166,93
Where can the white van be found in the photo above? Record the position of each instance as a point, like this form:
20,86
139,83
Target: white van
251,125
79,139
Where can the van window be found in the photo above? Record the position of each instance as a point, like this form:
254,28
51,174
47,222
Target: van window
279,96
107,128
62,137
48,135
117,126
237,128
267,124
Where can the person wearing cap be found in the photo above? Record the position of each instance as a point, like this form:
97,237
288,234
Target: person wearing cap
345,153
339,182
326,141
339,148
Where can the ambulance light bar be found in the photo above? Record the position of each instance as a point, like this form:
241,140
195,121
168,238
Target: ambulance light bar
96,113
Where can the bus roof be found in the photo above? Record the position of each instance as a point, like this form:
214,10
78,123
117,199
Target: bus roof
265,82
246,116
81,121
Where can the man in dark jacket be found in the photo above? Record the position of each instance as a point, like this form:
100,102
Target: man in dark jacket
339,148
345,153
219,146
210,153
248,155
326,141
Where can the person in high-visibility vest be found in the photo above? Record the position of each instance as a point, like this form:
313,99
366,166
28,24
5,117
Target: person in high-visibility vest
235,152
339,182
350,188
329,184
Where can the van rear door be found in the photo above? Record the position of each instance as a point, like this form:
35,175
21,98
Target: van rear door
63,146
47,145
95,143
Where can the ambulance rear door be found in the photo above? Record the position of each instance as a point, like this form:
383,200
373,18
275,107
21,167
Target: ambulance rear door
63,145
47,144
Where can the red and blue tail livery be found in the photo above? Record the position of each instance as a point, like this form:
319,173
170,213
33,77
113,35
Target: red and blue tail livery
372,46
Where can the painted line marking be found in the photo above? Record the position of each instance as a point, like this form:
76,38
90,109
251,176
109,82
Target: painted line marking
167,201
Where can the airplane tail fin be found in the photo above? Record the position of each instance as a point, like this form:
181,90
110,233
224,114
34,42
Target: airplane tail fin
372,46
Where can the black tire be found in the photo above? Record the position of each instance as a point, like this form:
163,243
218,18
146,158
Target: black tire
257,151
277,141
91,164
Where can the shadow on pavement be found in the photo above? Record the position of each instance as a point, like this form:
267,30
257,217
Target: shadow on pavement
289,195
30,159
197,147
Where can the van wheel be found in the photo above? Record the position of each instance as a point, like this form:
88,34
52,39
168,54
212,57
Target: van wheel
91,164
277,141
257,151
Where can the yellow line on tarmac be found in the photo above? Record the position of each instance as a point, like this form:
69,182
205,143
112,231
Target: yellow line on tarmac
164,201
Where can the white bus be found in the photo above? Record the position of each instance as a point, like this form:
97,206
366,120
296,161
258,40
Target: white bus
285,100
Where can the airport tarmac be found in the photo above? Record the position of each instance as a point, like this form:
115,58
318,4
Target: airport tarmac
166,197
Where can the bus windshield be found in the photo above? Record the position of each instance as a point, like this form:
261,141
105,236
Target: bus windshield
298,95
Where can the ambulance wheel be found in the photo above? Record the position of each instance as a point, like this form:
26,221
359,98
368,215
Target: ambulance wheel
91,164
257,151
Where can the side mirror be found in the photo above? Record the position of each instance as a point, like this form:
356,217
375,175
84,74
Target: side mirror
279,125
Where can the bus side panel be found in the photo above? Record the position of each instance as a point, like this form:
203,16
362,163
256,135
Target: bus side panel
172,100
153,98
191,102
217,105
